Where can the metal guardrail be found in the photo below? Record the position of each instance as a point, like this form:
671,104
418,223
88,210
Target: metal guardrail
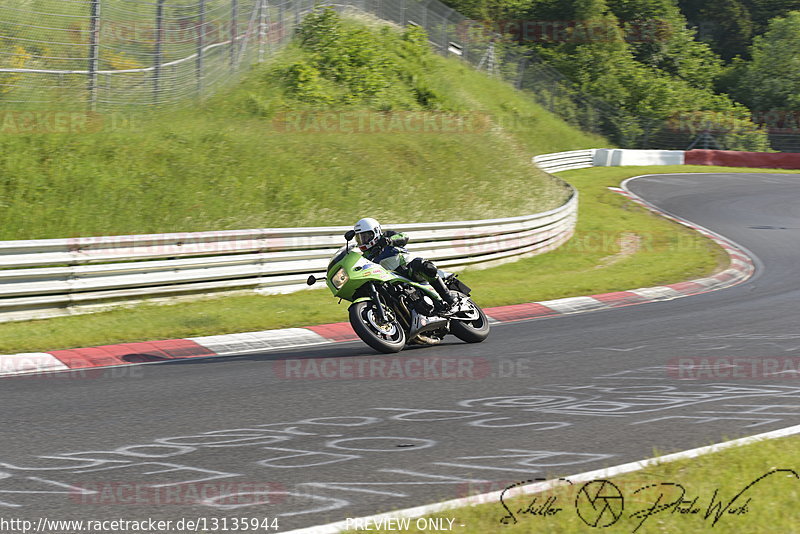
47,278
607,157
565,161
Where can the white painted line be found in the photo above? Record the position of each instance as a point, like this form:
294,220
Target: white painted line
608,472
29,362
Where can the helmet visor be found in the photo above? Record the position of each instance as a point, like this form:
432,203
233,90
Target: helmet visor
364,238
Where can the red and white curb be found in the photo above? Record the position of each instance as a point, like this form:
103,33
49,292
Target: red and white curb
741,268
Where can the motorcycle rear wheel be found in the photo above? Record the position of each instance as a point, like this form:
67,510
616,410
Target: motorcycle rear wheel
388,338
473,331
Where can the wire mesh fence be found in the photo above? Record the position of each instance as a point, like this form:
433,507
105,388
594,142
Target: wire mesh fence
120,54
108,54
112,53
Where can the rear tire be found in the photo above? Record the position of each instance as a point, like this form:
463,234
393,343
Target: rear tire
471,331
364,320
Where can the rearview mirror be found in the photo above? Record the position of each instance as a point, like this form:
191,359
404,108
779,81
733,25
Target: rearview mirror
311,280
349,235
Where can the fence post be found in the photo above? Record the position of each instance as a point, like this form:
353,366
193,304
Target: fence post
234,31
159,49
262,26
94,52
403,8
522,66
201,35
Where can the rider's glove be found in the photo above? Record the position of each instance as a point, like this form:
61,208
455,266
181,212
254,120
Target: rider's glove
398,240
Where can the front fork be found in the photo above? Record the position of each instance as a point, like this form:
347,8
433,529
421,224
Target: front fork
376,298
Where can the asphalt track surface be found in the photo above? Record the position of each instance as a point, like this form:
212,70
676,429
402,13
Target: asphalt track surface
541,398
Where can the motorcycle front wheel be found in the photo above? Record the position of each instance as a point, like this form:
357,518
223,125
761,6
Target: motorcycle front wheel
387,338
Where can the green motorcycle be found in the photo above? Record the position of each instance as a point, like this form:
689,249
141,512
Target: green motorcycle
389,311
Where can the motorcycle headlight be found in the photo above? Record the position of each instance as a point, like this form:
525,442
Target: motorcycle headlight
340,278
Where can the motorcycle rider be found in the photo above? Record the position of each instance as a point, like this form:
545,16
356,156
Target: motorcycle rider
387,249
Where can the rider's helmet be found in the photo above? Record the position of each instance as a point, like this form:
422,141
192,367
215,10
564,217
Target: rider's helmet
368,232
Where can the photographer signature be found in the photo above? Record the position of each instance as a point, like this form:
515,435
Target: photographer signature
600,503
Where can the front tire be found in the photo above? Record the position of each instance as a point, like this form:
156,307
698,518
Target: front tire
473,331
387,338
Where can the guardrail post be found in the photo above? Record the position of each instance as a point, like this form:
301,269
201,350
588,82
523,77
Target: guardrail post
201,35
159,49
94,52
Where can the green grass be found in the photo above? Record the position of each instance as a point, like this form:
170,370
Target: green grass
225,165
200,174
772,508
590,263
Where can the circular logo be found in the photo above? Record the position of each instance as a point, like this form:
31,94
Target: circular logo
599,503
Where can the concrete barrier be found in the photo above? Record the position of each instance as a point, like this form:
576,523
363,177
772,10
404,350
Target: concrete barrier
613,157
731,158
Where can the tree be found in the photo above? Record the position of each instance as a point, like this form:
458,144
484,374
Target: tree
658,35
772,79
725,25
763,11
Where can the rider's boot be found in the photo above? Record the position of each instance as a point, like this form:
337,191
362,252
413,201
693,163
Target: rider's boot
447,296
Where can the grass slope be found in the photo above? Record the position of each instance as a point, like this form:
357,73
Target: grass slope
228,165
